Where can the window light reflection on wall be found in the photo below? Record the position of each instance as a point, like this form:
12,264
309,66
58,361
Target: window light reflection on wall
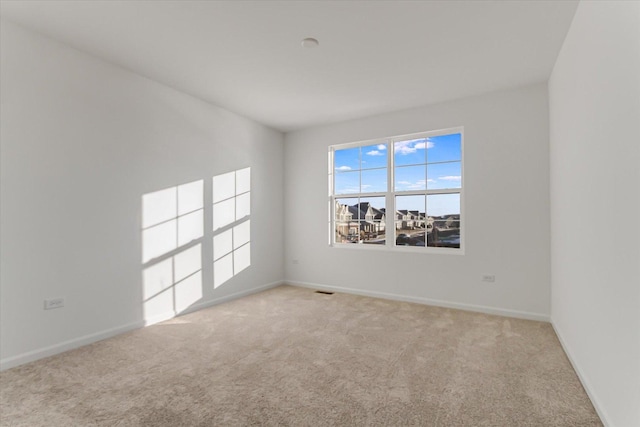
172,220
173,284
231,224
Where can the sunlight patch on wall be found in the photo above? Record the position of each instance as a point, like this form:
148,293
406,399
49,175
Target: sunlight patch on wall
231,225
174,284
172,220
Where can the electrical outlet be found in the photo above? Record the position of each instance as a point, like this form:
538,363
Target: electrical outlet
50,304
488,278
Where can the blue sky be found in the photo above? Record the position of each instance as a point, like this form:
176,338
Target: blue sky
425,163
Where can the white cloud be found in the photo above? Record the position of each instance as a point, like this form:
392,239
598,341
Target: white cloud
410,147
343,168
419,184
382,147
347,190
416,186
374,153
450,178
404,148
409,185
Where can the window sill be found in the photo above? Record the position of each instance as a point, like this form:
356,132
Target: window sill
401,249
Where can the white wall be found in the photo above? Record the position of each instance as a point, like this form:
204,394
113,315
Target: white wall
506,154
81,142
594,94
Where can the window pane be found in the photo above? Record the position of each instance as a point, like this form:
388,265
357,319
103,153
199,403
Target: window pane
444,175
410,178
374,181
345,209
410,221
373,217
347,160
346,220
410,152
444,148
348,183
374,156
443,218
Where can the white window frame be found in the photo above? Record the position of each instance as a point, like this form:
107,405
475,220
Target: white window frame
390,195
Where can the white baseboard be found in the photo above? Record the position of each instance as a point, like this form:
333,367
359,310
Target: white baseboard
426,301
583,379
30,356
209,303
231,297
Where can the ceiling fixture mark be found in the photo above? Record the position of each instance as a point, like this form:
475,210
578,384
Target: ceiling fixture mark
310,43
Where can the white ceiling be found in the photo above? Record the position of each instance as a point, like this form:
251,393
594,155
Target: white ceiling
374,57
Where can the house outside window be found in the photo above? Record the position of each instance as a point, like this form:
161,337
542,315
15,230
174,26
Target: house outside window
398,192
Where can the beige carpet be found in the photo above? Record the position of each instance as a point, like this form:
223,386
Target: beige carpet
290,356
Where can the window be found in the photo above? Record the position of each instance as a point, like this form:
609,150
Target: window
398,192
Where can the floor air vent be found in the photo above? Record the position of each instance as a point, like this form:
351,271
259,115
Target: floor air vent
324,292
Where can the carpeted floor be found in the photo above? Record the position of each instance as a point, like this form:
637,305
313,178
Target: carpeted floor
289,356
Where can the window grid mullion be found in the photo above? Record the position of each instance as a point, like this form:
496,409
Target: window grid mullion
389,203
